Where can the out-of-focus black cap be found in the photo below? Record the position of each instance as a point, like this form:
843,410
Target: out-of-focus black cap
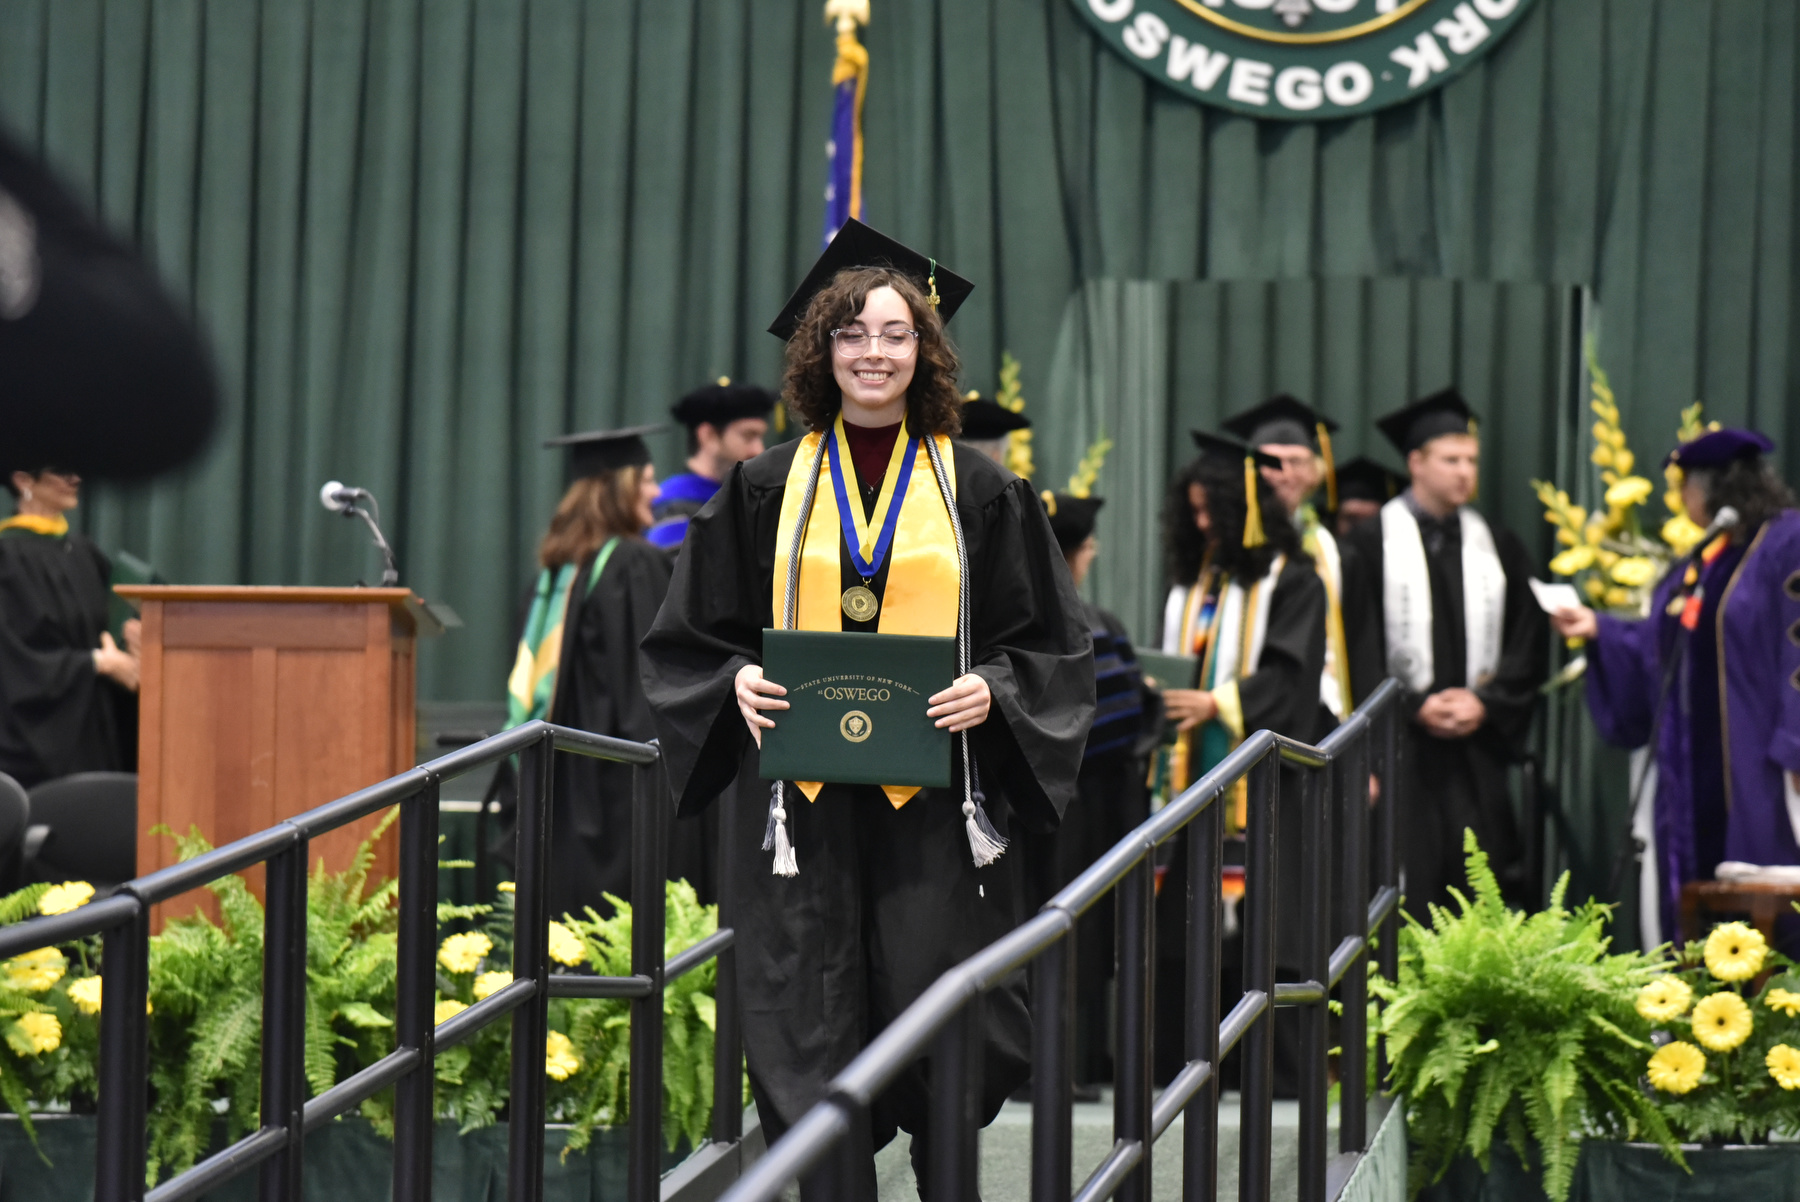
1071,518
1363,479
1443,412
856,245
721,403
101,371
984,420
1214,446
595,452
1281,420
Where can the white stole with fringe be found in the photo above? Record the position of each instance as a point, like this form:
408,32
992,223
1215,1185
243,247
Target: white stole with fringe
1406,598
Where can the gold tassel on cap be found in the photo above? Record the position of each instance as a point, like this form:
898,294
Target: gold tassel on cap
1253,531
1049,499
931,281
1330,468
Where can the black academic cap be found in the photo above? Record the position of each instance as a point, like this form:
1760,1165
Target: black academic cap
986,420
1282,419
103,373
856,245
722,403
1716,448
596,451
1215,446
1443,412
1363,479
1071,518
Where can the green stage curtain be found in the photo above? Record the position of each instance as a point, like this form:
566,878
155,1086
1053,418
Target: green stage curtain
425,234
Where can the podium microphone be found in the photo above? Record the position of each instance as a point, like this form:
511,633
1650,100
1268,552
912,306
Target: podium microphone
342,498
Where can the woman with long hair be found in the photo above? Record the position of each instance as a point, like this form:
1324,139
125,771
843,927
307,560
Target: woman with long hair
849,900
1711,678
598,588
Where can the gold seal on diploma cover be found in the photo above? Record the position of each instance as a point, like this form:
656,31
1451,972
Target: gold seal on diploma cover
855,726
860,604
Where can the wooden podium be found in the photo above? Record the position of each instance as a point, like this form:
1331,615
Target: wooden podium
256,704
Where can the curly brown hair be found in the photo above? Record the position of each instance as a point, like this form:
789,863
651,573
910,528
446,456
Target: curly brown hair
933,404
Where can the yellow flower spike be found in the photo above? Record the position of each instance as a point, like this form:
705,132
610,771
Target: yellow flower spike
462,953
70,895
1617,598
1568,538
1624,460
85,993
1574,560
1602,456
1722,1021
446,1009
34,971
39,1033
1635,571
1664,999
1676,1067
1783,1000
560,1060
565,946
1630,490
1784,1065
489,983
1594,587
1607,558
1735,951
1681,534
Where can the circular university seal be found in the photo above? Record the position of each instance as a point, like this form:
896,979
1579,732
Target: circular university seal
1302,59
855,726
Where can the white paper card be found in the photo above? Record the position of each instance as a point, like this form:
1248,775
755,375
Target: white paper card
1552,597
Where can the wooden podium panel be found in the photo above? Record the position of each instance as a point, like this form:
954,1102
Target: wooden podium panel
256,704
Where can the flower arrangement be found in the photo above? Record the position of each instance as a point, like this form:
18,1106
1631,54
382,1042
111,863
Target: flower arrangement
1727,1059
1012,396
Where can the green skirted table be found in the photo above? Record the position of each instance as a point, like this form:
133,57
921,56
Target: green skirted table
1616,1172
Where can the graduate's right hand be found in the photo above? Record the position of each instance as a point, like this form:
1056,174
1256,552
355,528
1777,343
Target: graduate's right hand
755,694
1189,707
1575,622
109,661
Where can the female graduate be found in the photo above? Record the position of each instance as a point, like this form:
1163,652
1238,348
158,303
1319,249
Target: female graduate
599,587
849,900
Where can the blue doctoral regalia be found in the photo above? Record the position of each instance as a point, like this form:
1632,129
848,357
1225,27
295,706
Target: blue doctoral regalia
682,497
1732,727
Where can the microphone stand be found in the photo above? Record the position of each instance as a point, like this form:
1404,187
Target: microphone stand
390,575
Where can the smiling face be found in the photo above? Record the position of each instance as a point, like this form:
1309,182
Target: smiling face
874,385
1298,476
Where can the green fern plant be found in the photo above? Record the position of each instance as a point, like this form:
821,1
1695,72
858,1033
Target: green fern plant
1519,1027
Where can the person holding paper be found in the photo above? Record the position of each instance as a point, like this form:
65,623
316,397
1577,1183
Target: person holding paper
1712,676
1439,598
850,900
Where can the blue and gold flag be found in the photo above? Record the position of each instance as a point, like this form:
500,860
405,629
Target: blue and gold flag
844,151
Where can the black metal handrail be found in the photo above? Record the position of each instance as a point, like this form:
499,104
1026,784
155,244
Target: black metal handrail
946,1019
122,920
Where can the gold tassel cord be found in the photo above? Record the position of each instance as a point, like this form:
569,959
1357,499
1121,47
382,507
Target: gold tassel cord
1253,527
1330,468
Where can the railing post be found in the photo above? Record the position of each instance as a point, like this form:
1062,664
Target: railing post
1132,1068
1200,1122
648,903
415,994
1256,1133
1052,1055
531,961
955,1077
124,1059
1387,854
1350,787
728,1038
1315,895
284,1020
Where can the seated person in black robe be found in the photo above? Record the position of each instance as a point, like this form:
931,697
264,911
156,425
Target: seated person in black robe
68,692
880,889
1437,597
577,664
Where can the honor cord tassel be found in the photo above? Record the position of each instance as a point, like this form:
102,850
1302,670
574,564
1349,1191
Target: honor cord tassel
775,837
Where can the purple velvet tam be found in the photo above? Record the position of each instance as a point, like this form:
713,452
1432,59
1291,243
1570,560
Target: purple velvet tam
1718,448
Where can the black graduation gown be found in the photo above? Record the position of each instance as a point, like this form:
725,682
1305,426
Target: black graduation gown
1450,784
598,690
886,900
57,715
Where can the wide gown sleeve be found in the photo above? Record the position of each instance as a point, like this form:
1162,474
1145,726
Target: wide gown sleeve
1275,696
1512,694
1623,675
47,684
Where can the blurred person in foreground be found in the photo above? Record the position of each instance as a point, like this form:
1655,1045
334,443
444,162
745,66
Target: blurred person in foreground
67,689
1712,675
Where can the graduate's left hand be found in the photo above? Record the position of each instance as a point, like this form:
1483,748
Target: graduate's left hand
964,704
1462,712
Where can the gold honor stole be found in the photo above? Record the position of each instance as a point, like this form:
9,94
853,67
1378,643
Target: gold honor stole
923,583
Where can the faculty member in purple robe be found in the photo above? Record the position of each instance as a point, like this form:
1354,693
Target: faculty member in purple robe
1713,674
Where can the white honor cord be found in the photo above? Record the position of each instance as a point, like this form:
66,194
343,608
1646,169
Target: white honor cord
775,835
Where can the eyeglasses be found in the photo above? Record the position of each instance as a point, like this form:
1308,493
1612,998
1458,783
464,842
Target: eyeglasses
853,343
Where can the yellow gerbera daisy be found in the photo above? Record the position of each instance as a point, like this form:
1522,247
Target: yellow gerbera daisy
505,887
560,1060
1722,1021
489,983
565,946
42,1032
1569,562
1664,999
70,895
85,993
1784,1001
1632,490
1734,951
462,953
1676,1067
1784,1065
1634,571
447,1009
35,971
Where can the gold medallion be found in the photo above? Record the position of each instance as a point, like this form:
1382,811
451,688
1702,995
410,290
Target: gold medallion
859,604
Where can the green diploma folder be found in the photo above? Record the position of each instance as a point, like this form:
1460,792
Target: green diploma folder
857,707
1167,670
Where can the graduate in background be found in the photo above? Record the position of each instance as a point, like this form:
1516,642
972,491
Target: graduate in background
577,665
726,424
68,692
1363,487
1438,598
1289,430
986,424
872,892
1713,674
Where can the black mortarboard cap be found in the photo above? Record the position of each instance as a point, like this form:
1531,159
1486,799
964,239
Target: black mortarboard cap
1363,479
1443,412
1716,448
1217,446
1071,518
856,245
596,451
985,420
1283,420
722,403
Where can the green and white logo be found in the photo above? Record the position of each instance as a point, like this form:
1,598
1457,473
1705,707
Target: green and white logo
1302,60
